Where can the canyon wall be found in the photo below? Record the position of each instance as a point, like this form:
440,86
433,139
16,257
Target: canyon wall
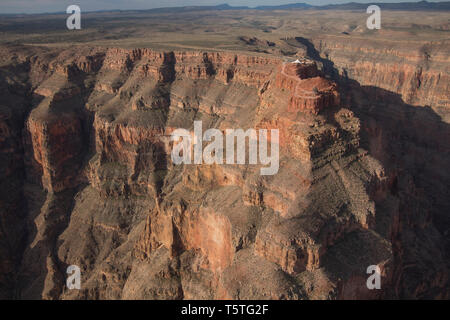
417,71
88,180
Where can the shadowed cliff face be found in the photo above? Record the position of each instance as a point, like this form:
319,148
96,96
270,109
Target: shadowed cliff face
418,73
88,180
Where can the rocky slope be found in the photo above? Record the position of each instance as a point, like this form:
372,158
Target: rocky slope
87,177
419,72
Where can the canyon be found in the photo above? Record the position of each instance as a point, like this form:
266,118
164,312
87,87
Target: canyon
87,177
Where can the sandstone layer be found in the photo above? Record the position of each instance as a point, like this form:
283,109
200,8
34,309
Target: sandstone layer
88,180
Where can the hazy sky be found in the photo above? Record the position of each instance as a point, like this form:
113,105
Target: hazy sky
35,6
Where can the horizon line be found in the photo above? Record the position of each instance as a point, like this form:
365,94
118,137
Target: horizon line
260,7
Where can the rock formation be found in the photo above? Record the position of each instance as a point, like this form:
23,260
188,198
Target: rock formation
87,178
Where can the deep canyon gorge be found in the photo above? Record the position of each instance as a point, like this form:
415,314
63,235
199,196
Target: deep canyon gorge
364,179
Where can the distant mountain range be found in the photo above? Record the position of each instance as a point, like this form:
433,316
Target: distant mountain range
407,6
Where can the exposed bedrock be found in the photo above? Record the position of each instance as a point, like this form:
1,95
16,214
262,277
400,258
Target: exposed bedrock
86,155
419,73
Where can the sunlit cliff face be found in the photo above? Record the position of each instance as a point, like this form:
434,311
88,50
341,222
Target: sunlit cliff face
89,148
